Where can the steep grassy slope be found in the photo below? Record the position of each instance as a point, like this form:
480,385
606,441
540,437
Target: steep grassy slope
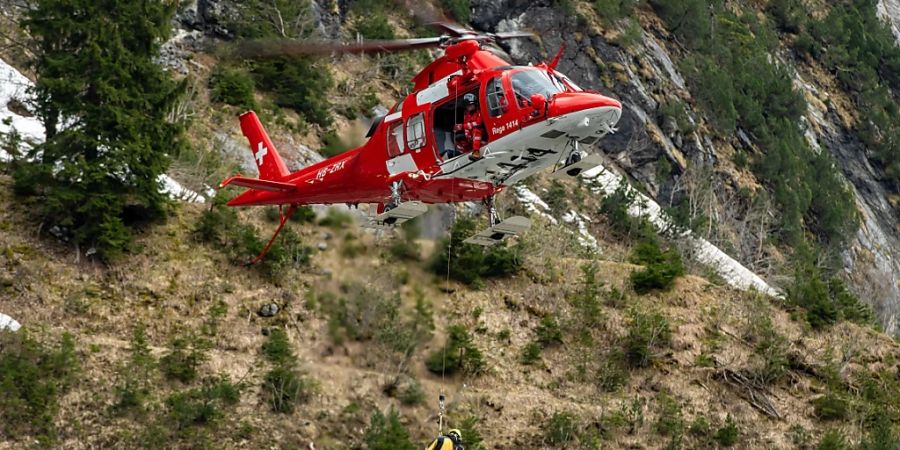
612,368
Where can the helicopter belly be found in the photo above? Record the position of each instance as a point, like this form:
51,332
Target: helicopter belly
533,148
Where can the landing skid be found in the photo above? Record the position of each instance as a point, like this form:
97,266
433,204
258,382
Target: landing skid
512,226
576,169
396,216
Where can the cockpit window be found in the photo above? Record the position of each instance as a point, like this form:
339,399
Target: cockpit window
529,82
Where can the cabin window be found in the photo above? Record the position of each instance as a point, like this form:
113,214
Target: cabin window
496,98
395,139
415,131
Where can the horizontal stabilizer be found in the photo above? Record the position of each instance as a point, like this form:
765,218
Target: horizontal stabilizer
510,227
262,185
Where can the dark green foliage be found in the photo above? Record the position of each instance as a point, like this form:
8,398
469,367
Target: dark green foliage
387,433
769,346
715,92
548,331
531,353
612,10
648,333
336,219
468,427
831,407
99,177
727,435
284,386
615,208
688,19
832,440
613,370
789,15
374,26
272,19
133,388
737,83
220,227
861,51
33,375
232,86
303,214
459,354
880,434
699,427
588,315
405,248
561,429
670,421
203,405
461,10
661,266
826,302
471,263
365,314
676,112
183,360
277,348
556,196
412,394
333,145
297,83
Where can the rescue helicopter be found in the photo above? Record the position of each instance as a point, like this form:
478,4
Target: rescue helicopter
532,118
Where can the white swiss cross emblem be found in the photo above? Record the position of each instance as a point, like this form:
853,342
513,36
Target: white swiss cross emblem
261,152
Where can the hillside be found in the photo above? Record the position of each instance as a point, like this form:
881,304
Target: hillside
723,354
345,337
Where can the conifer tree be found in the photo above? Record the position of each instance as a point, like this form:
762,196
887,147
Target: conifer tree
104,103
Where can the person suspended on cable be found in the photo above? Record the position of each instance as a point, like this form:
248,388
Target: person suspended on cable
469,134
450,441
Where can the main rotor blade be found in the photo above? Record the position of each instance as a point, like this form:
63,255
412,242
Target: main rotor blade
288,47
513,35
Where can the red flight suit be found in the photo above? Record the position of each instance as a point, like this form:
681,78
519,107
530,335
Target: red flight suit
473,127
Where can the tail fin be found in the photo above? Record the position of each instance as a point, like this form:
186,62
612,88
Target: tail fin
270,165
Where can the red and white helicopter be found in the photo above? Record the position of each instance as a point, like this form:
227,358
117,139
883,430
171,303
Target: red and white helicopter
534,118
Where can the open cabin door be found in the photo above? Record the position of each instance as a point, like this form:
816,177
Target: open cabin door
445,115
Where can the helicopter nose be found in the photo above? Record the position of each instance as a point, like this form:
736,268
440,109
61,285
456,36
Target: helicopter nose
569,102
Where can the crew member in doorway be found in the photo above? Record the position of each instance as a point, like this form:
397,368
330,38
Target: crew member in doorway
468,135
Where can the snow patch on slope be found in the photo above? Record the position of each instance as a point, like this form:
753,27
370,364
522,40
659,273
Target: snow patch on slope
605,182
585,238
8,323
735,274
534,204
14,86
176,191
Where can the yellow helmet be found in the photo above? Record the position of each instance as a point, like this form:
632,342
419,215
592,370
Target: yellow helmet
455,434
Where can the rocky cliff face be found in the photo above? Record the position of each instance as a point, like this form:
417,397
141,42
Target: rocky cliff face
889,10
644,77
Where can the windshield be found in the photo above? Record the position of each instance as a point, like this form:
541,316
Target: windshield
529,82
